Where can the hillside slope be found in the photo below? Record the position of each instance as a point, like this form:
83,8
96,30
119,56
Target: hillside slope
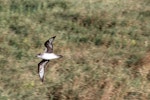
105,46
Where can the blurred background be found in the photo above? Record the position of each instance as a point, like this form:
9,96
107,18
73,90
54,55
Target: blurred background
105,46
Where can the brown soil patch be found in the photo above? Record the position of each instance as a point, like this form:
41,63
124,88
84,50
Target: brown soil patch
145,66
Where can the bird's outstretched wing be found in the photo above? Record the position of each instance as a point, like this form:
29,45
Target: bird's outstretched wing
41,68
49,45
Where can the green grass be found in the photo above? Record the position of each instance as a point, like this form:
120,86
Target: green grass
105,47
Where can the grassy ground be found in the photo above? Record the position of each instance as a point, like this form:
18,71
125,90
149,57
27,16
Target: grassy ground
105,44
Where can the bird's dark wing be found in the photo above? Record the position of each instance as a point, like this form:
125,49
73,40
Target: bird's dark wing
49,45
41,68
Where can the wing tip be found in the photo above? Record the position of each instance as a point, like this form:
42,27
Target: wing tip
42,79
54,36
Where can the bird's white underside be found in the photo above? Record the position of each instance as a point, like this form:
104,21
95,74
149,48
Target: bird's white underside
48,56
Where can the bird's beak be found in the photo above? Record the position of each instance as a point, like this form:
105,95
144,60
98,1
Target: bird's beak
37,55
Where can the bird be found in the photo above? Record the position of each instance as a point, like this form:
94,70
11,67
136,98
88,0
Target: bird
46,57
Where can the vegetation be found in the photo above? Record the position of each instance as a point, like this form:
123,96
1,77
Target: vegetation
105,47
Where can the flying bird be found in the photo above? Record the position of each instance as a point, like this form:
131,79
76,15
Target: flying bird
46,57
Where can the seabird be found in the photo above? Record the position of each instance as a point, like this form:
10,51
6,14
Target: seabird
46,57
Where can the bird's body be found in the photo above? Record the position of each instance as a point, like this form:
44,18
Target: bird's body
46,57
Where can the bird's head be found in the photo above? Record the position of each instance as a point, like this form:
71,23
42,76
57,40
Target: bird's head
38,55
